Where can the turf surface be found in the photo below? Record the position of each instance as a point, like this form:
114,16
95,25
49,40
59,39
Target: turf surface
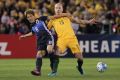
19,69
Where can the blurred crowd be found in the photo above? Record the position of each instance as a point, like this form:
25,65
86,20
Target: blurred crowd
106,12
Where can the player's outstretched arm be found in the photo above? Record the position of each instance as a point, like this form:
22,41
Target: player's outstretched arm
60,15
79,21
91,21
26,35
50,25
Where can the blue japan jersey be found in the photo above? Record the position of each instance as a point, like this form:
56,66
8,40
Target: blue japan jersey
41,31
39,27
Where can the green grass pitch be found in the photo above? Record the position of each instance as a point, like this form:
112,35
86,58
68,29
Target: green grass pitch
19,69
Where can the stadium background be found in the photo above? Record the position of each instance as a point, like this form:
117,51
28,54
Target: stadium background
13,24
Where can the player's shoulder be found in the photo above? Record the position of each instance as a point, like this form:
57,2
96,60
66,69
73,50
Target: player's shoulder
66,17
63,18
51,20
43,18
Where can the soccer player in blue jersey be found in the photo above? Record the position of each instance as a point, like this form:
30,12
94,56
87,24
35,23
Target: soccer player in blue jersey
45,41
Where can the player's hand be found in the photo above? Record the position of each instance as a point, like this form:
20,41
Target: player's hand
22,36
50,48
92,21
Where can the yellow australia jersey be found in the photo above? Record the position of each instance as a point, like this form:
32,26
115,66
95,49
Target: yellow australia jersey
63,27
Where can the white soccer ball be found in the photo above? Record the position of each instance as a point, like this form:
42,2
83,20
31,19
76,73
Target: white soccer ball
101,67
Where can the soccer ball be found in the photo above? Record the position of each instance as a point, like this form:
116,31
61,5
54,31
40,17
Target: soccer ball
101,67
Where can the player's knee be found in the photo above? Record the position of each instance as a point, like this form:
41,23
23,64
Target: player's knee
50,48
40,53
79,56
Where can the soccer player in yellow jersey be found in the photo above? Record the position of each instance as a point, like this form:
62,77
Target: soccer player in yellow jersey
66,36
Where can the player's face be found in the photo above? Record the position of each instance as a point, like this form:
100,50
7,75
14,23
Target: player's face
58,9
30,18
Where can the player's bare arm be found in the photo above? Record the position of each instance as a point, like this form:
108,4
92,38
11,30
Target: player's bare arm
62,15
80,21
26,35
59,16
91,21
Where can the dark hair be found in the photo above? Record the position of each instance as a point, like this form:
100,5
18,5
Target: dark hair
29,11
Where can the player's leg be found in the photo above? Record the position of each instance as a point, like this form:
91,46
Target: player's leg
37,71
54,61
55,57
75,48
80,62
51,55
51,60
41,52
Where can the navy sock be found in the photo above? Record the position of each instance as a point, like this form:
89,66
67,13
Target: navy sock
51,60
80,63
38,63
54,61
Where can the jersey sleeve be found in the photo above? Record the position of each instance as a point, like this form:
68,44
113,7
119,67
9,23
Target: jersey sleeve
51,40
44,18
32,31
50,24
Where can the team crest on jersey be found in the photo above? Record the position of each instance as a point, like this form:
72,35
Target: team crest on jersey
37,21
